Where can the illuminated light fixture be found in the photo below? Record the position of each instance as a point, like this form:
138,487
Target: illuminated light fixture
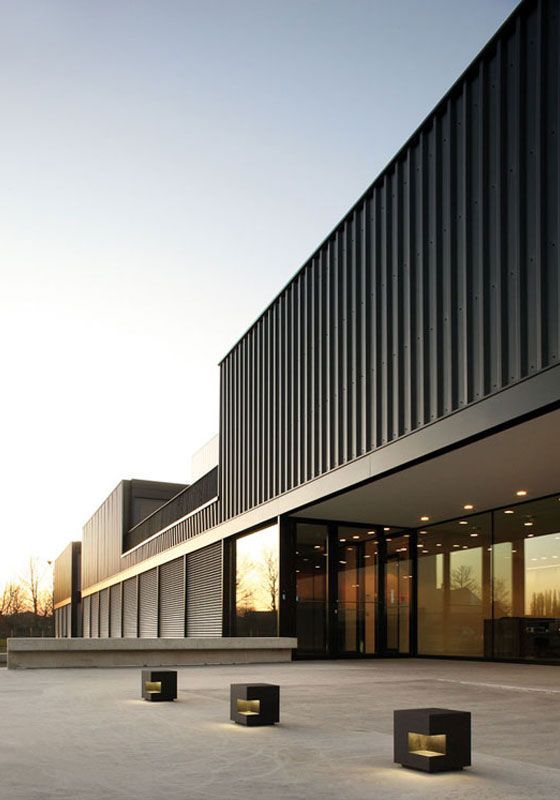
422,531
367,556
465,547
317,547
371,533
521,493
159,685
463,522
514,551
424,519
468,507
317,566
342,540
355,536
386,529
530,535
432,739
438,544
456,545
342,562
254,704
528,524
298,570
425,551
474,535
509,511
419,545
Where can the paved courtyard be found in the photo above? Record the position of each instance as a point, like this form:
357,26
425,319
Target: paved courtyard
85,735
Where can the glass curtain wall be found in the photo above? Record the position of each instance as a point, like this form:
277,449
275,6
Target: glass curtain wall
356,610
311,563
454,587
526,586
398,588
257,569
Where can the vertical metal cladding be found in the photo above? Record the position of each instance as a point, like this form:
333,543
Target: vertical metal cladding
439,288
115,611
148,604
172,598
103,538
130,608
204,591
94,616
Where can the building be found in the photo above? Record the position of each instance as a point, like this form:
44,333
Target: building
386,481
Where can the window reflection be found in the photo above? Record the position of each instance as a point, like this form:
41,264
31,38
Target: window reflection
454,563
357,554
311,587
527,581
256,583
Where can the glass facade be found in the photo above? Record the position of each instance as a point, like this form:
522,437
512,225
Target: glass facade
489,585
454,593
311,558
356,611
257,572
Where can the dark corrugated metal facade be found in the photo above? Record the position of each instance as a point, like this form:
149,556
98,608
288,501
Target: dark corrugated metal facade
172,598
439,288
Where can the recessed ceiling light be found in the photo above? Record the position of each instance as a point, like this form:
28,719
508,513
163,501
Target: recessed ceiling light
424,551
366,556
521,492
528,524
342,540
342,562
424,519
514,551
465,547
530,535
456,545
509,511
371,533
317,566
317,547
468,507
438,544
355,537
474,535
419,545
386,529
463,522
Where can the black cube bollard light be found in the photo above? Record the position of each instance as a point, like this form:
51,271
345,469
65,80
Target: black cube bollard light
254,704
160,685
432,739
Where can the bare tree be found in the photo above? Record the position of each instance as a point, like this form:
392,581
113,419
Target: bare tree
270,575
13,599
462,578
31,583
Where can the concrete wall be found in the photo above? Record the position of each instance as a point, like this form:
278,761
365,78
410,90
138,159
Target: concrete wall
63,653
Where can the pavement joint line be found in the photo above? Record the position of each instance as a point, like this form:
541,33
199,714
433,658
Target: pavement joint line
503,686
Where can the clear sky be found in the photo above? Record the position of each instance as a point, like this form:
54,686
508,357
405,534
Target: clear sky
165,168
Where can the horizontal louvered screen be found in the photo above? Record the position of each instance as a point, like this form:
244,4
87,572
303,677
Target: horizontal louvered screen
86,603
115,612
94,624
172,599
104,613
130,609
204,591
148,604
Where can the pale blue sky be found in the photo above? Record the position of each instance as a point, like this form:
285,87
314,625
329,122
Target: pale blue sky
165,168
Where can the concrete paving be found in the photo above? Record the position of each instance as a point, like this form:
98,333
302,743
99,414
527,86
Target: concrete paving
86,735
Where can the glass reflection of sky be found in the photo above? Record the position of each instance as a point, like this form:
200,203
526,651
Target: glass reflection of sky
257,570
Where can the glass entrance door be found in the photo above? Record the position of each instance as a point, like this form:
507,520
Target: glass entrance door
356,606
398,584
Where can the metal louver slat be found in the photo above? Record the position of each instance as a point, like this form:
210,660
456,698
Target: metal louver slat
172,599
148,604
204,591
94,625
130,609
115,611
104,614
86,603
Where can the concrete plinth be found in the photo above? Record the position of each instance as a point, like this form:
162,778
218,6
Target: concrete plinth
60,653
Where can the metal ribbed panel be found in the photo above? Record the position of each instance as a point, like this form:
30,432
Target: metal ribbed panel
204,591
104,613
94,616
432,293
172,598
130,608
115,611
86,619
68,621
148,604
